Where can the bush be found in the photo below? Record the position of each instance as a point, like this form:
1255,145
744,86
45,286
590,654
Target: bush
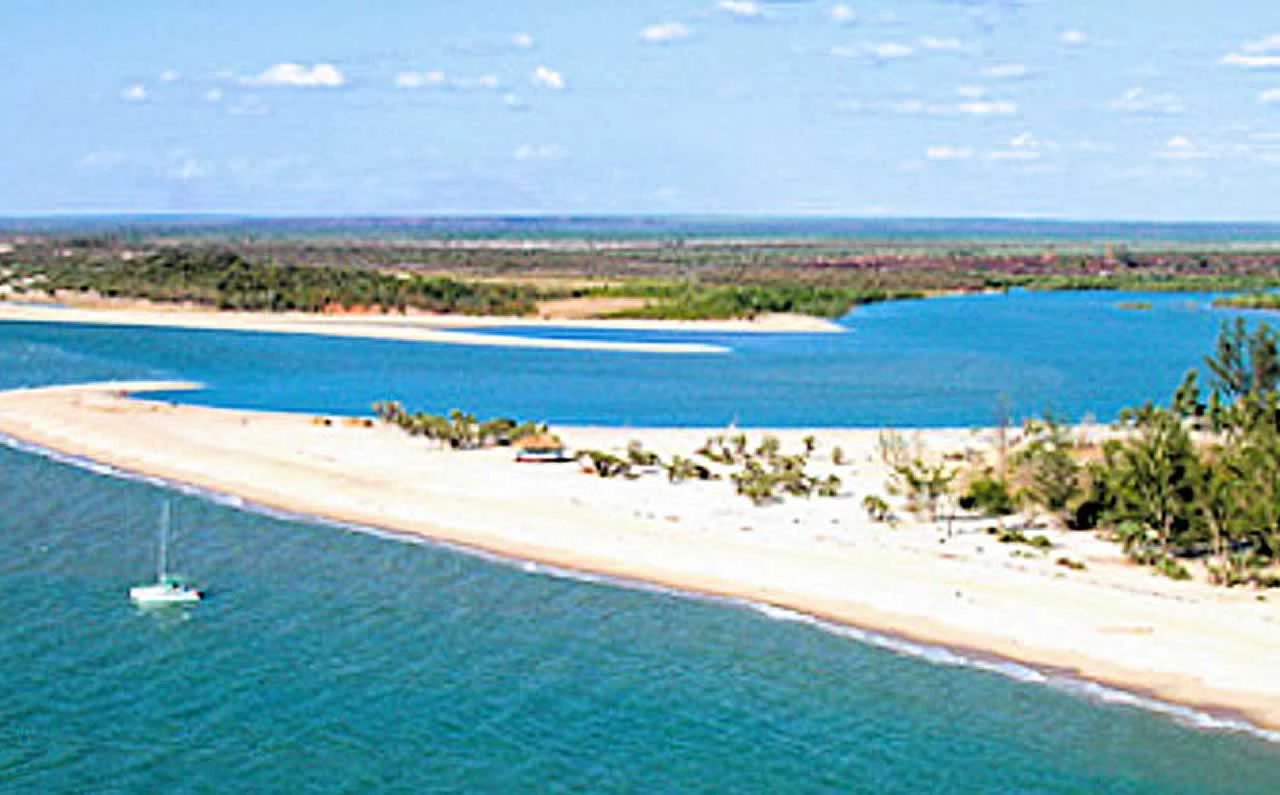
1068,563
1172,569
1018,537
988,495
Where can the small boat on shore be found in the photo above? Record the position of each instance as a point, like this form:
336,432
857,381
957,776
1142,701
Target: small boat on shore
168,589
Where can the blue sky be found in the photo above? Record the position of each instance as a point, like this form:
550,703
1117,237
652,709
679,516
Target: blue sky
1159,109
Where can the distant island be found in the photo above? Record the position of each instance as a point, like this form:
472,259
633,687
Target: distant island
642,278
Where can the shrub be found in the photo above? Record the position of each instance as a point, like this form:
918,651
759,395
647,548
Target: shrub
1172,569
990,496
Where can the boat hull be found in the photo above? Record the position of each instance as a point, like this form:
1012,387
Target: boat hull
164,595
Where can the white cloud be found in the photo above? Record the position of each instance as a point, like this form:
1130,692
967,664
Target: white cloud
946,152
514,102
522,41
435,78
994,107
547,78
432,79
213,95
1073,38
103,159
1093,147
664,32
748,9
940,45
890,51
540,152
971,92
1006,71
842,14
1024,141
321,75
1270,96
1023,147
1138,100
919,107
1014,154
169,76
1180,147
134,93
894,50
1251,61
1261,54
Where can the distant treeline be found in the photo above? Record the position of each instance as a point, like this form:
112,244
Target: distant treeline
721,279
1249,301
224,279
689,301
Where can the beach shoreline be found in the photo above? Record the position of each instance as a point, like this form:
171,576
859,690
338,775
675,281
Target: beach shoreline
411,326
1115,625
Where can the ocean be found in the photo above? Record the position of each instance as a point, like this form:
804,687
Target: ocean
332,660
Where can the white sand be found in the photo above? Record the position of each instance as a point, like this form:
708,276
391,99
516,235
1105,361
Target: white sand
414,327
1185,642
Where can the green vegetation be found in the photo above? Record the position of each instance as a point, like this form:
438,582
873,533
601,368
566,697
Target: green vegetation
877,509
222,278
680,279
1249,301
1197,481
1138,306
764,474
694,301
1018,537
1045,461
989,496
458,430
606,465
921,483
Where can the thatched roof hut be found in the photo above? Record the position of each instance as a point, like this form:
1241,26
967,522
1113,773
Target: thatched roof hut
540,447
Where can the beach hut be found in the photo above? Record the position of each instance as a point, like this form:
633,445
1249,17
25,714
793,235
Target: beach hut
540,448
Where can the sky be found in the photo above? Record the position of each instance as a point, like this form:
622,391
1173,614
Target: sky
1092,109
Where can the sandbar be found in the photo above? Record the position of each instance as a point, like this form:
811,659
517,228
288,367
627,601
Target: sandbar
410,329
1183,642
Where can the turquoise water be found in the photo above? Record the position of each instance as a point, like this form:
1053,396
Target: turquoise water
329,660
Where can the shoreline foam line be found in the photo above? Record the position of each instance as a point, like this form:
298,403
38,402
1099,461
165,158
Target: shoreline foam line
1068,681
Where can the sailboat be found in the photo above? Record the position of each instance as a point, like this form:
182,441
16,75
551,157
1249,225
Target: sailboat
167,589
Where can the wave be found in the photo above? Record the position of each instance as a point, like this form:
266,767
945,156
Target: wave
935,654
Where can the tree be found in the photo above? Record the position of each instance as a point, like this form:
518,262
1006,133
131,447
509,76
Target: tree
922,484
1244,362
1046,461
1151,478
1224,508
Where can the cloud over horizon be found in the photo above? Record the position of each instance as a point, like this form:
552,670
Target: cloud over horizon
288,74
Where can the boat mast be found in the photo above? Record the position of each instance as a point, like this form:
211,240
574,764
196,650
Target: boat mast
164,541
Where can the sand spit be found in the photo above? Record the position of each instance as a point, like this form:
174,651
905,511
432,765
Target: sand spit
411,328
1182,642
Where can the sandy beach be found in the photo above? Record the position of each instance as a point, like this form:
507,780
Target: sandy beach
413,327
1183,642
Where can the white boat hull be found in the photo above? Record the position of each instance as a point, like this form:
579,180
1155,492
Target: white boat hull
164,595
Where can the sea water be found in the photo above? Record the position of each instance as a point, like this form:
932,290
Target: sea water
332,660
953,361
